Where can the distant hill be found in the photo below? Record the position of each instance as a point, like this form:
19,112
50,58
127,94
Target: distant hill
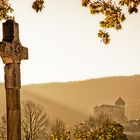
74,101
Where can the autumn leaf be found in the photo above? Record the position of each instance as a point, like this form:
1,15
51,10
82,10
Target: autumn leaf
38,5
85,3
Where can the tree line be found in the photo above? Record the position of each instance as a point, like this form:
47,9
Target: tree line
36,125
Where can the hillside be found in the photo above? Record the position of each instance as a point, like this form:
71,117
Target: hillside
74,101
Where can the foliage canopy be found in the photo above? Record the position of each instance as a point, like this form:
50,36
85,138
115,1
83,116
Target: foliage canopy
110,131
95,130
6,9
113,13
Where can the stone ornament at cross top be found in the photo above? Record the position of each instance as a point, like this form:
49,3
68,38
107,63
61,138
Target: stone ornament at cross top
11,50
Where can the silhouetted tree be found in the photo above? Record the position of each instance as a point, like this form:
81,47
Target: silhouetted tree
59,131
34,120
83,131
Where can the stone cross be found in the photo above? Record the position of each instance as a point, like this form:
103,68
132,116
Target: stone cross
12,52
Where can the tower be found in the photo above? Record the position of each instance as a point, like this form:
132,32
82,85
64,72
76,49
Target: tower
120,104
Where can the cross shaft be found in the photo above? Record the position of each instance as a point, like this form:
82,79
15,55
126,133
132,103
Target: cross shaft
12,52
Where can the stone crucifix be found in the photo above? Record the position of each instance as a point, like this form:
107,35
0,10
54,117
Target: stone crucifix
12,52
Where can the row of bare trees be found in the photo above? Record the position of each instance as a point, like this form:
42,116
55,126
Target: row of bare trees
34,121
37,126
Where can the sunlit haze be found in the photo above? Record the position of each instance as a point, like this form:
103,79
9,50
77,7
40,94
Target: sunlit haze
63,44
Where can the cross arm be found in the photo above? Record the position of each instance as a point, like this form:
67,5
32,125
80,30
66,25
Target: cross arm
12,52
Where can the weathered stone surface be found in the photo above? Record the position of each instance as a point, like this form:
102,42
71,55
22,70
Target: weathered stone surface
7,59
10,31
13,114
12,52
12,76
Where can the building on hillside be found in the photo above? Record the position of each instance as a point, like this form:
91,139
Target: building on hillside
113,112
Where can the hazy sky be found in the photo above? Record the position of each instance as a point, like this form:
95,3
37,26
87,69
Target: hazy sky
63,43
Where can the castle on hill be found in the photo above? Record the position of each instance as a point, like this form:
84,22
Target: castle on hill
114,112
